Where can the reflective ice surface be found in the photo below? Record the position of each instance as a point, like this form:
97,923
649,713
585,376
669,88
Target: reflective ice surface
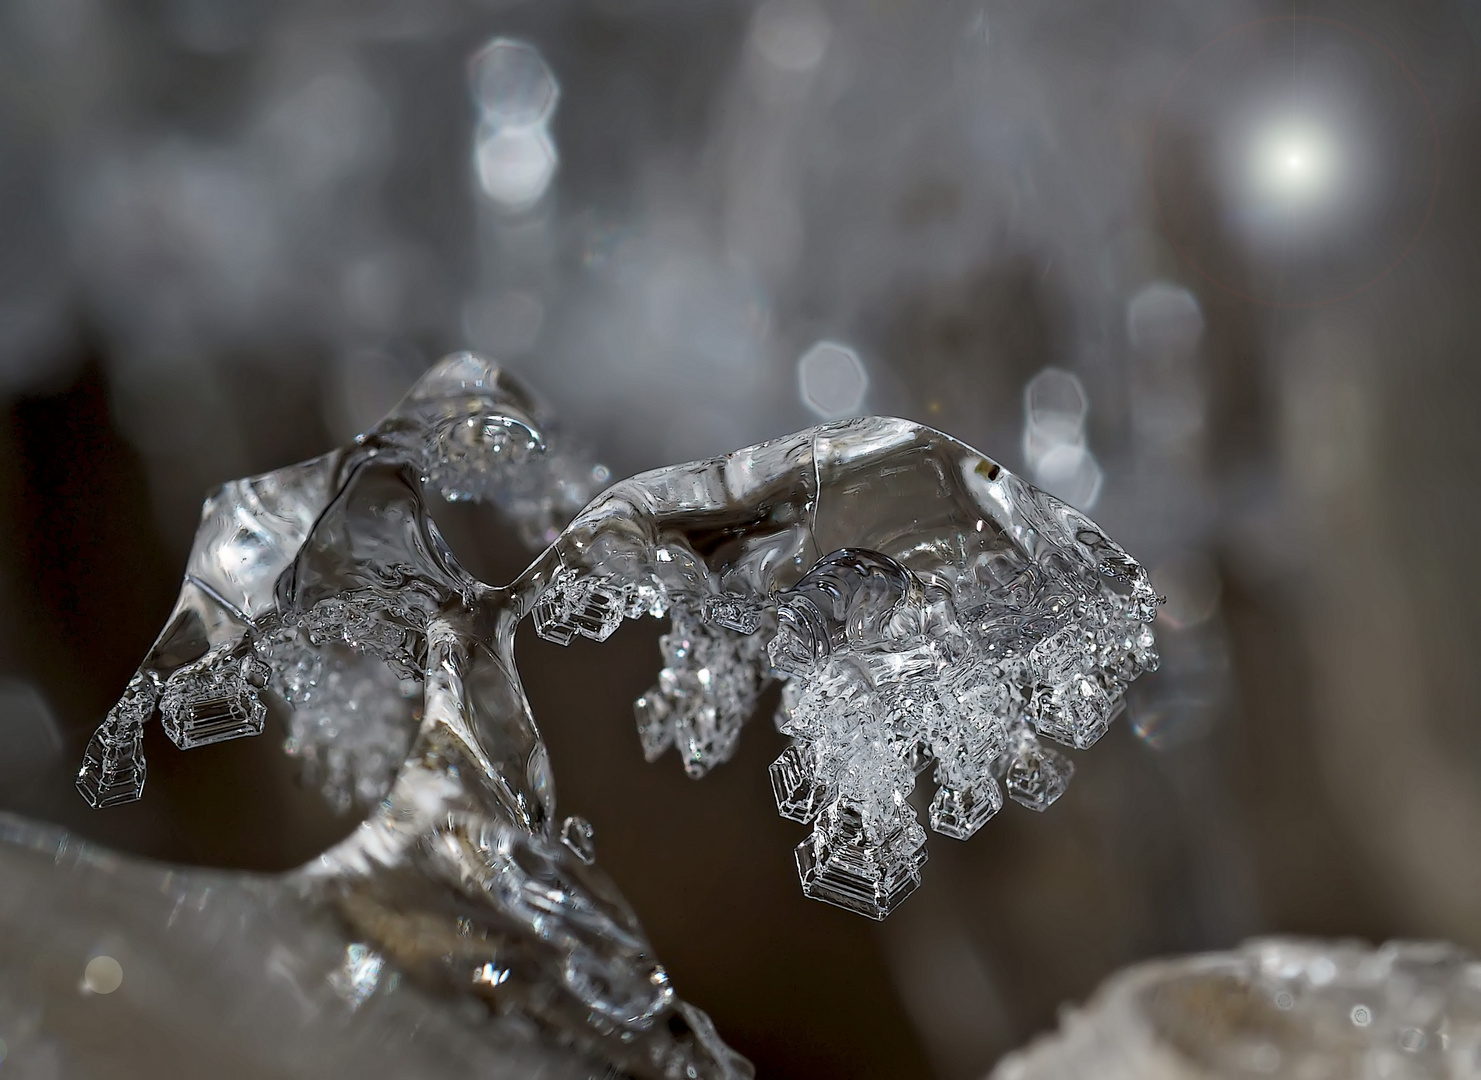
1292,1009
230,975
926,609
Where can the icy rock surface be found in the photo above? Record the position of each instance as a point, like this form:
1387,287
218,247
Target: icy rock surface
233,976
1289,1009
926,609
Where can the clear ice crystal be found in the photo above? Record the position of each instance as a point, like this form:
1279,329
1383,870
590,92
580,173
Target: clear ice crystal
925,610
113,767
863,869
706,690
351,722
733,612
800,796
888,675
592,606
214,699
1034,774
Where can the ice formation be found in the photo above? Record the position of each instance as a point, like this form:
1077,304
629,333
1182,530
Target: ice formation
925,608
1287,1008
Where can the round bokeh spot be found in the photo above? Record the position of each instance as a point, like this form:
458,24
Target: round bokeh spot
1294,161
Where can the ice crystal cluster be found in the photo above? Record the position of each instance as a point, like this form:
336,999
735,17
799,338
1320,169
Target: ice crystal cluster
892,675
926,610
983,617
1288,1008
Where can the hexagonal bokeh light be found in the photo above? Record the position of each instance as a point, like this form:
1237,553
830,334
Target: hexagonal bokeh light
515,165
516,94
832,380
511,83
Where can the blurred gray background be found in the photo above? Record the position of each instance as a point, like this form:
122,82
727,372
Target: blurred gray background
1206,268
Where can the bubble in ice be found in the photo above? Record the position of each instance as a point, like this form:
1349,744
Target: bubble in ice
832,380
515,165
511,84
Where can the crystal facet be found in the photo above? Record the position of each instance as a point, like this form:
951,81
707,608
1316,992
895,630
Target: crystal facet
1035,775
214,699
113,767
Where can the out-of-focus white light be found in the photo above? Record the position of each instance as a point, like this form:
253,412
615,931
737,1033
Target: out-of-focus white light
103,975
511,83
516,96
832,380
1294,161
1165,319
1070,472
1055,407
515,165
791,34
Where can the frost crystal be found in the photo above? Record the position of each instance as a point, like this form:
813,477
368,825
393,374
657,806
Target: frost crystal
926,610
113,767
214,699
706,690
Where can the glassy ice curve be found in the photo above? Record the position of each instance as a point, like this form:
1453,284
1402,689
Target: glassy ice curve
924,608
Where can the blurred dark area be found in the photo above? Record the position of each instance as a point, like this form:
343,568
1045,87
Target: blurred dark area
1206,270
